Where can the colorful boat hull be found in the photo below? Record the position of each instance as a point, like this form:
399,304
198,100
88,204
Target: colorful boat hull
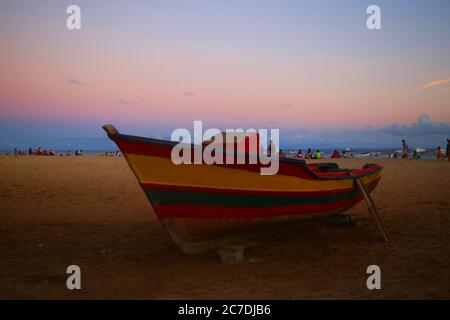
202,206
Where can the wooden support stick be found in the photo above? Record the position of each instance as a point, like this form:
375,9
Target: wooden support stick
373,211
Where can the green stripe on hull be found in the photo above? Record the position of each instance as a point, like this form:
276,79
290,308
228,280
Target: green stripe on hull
162,197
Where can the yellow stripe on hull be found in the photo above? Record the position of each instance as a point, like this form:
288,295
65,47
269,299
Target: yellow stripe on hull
159,170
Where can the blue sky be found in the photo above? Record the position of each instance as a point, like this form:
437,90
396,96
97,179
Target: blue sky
310,68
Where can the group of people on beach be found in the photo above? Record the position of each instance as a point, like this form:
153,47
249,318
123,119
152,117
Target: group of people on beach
318,154
52,152
43,152
112,154
440,155
403,154
309,154
415,154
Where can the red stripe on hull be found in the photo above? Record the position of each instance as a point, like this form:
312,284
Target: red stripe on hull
226,212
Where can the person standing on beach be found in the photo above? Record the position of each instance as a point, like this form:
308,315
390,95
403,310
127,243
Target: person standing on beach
447,150
439,153
405,149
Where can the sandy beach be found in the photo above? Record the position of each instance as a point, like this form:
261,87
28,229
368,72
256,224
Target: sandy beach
90,211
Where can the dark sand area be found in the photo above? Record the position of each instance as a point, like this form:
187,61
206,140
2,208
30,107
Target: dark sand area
90,211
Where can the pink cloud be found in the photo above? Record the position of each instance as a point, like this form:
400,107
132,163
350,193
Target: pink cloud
434,83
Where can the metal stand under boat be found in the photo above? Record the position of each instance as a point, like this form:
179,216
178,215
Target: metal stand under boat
373,211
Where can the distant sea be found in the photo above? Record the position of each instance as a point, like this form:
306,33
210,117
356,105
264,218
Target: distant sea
326,153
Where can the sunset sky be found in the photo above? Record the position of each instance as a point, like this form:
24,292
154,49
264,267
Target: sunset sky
310,68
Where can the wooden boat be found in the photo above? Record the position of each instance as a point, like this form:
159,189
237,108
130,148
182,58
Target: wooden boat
203,205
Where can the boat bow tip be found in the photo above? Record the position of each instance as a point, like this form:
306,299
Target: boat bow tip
110,129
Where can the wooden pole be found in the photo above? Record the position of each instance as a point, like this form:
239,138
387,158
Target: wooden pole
373,211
